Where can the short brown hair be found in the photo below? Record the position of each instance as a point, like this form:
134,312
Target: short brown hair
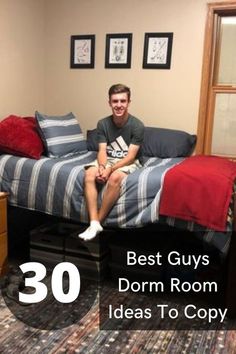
119,88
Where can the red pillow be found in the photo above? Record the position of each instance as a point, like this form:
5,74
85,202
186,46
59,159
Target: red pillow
19,136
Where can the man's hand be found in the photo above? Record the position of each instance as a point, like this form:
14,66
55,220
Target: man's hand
103,174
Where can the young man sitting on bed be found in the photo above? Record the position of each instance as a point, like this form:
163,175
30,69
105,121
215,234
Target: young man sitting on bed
119,136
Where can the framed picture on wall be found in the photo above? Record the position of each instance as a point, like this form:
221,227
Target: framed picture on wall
118,50
157,50
82,51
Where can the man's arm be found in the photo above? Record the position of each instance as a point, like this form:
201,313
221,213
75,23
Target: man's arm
102,154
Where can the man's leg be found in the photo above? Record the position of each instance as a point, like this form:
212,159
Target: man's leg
111,193
110,196
91,196
91,193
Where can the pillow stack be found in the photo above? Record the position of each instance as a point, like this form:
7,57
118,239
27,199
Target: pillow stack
52,136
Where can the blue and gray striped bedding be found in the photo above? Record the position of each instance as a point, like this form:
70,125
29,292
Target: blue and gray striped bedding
55,186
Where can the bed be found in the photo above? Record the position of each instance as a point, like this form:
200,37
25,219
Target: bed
47,176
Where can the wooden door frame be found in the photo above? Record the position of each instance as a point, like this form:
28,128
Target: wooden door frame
205,123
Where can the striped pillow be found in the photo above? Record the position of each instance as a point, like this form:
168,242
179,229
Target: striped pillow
62,135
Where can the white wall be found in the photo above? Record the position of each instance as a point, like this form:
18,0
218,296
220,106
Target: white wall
167,98
35,59
21,57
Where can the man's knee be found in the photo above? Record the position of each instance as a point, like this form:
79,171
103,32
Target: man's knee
115,179
90,174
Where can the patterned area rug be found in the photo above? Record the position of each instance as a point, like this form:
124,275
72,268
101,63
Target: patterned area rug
86,337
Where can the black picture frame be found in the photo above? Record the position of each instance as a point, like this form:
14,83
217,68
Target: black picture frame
157,50
118,50
82,51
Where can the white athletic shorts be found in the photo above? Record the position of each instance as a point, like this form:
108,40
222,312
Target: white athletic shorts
112,161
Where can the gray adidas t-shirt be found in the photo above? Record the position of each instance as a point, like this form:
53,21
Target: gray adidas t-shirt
119,139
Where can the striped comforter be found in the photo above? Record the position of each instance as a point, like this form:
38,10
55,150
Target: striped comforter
55,187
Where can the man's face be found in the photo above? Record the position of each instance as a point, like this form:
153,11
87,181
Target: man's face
119,104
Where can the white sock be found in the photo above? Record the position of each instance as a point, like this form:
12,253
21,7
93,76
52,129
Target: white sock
92,231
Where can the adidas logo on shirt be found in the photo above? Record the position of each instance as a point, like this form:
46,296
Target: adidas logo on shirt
118,148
